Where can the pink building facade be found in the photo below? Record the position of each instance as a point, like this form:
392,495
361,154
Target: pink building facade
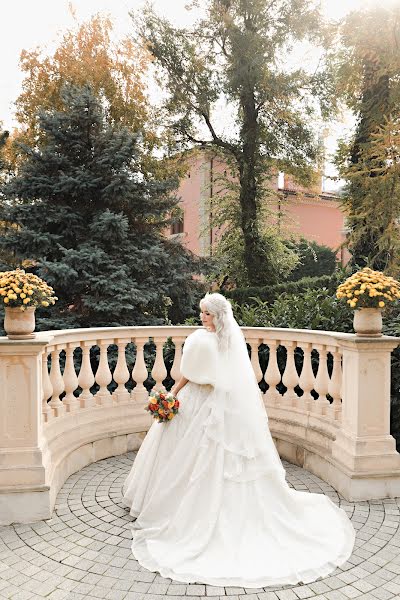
299,212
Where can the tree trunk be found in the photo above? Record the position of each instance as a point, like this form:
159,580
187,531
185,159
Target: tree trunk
254,256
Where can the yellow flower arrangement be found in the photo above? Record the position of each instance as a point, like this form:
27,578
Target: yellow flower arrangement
369,289
21,289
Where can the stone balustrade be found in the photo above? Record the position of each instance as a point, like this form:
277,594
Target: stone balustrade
69,398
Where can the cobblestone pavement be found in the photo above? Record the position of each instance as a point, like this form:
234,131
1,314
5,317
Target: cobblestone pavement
83,552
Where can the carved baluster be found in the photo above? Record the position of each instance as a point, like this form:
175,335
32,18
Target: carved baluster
272,375
86,377
321,405
290,377
159,372
57,382
47,411
103,376
70,380
307,379
255,361
175,369
335,384
139,373
121,374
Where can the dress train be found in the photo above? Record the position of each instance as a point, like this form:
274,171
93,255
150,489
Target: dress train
207,514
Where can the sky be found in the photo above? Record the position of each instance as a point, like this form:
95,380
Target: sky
27,24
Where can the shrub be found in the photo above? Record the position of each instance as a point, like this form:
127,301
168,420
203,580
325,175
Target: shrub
314,309
315,259
270,293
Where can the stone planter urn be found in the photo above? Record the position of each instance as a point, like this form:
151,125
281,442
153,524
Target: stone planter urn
19,324
368,322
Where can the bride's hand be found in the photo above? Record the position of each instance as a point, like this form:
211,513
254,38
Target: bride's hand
173,392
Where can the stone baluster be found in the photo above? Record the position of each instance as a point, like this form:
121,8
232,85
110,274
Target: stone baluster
139,373
322,404
272,375
290,377
47,411
175,369
255,361
121,373
57,382
70,380
335,385
159,372
307,379
86,377
103,376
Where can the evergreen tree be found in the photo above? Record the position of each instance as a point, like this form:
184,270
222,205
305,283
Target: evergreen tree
3,139
374,105
6,257
367,65
92,224
4,168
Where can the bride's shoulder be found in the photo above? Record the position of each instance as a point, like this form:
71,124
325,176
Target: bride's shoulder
201,335
200,331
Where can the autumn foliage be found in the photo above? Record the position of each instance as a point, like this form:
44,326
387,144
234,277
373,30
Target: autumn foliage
87,56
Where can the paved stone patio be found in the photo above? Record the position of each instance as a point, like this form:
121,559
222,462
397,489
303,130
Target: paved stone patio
83,552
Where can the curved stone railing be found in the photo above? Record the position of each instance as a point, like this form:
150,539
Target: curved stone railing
60,413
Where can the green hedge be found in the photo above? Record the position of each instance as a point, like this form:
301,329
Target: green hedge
270,293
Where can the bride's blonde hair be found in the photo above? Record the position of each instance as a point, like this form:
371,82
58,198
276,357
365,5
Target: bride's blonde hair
221,309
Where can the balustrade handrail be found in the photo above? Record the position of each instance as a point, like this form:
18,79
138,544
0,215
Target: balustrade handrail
61,336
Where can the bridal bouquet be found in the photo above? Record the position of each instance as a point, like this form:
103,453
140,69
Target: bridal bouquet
163,406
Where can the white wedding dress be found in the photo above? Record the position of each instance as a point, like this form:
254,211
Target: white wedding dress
209,490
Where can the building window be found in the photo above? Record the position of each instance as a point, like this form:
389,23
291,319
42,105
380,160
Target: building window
177,227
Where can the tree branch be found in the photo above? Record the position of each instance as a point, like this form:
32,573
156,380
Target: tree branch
217,141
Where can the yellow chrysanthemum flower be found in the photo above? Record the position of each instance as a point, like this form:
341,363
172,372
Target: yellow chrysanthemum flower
368,288
25,288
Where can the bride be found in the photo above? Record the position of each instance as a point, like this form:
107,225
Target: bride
208,489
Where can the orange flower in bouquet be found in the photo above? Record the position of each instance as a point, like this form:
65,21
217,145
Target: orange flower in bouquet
163,406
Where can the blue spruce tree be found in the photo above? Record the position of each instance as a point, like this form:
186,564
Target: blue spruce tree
90,223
